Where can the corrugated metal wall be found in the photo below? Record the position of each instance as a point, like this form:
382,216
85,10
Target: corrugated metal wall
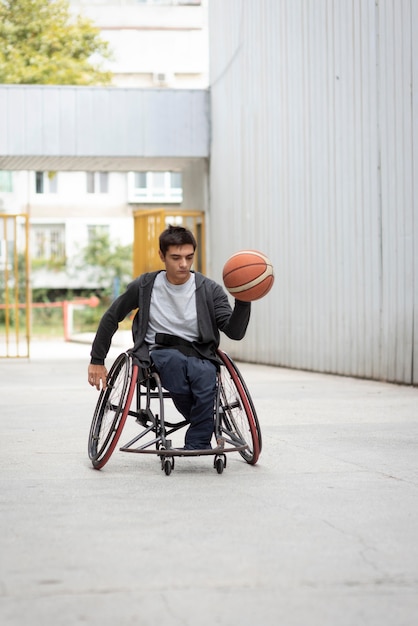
313,163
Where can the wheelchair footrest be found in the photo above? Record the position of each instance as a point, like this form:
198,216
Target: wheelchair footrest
181,452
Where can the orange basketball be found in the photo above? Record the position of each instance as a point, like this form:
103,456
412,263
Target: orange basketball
248,275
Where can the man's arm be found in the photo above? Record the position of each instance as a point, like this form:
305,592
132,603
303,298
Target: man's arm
232,322
108,325
238,322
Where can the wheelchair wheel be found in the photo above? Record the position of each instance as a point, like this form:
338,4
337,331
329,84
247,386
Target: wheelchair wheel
238,415
112,410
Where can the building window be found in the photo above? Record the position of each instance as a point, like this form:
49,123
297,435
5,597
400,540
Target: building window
90,182
155,187
53,182
97,182
103,182
46,182
39,182
48,242
140,180
6,181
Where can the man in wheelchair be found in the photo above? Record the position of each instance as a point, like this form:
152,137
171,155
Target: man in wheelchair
179,315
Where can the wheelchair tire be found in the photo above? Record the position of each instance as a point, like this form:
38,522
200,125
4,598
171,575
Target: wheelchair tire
111,410
239,418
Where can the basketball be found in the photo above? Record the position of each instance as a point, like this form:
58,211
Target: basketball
248,275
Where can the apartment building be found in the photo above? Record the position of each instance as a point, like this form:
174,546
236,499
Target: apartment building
156,44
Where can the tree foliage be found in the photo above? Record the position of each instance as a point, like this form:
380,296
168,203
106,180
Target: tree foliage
107,263
42,43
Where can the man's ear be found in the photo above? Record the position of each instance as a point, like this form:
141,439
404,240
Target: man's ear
161,256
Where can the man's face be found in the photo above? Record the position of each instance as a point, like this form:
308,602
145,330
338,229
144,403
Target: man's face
178,260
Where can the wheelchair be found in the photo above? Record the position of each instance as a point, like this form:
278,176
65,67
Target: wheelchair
137,392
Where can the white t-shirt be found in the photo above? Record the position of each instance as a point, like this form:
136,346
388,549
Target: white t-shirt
173,309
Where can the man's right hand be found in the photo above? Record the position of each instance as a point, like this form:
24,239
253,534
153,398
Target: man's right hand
97,375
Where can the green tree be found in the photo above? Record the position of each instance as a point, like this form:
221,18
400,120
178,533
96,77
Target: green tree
42,43
107,263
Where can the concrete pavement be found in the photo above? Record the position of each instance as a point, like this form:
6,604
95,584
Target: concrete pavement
323,531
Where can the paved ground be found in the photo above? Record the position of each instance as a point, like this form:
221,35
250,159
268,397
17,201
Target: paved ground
322,532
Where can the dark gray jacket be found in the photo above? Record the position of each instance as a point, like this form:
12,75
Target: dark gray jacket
214,314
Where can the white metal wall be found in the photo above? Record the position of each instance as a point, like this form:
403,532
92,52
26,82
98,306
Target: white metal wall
313,163
100,128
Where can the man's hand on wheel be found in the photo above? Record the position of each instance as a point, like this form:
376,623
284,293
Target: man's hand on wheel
97,375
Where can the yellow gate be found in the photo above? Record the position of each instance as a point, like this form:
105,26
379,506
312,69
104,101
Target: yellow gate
14,286
147,227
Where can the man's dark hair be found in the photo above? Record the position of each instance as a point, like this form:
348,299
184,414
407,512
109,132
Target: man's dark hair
176,236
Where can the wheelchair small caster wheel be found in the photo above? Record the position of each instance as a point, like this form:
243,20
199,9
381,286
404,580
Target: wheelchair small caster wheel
167,466
219,464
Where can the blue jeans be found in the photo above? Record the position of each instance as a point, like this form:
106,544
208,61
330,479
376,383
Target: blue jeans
191,383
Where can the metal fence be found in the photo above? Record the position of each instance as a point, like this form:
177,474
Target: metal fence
14,286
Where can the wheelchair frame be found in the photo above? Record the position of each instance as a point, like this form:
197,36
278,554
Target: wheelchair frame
236,426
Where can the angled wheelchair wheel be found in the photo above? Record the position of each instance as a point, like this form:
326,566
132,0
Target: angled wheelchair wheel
239,420
111,411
